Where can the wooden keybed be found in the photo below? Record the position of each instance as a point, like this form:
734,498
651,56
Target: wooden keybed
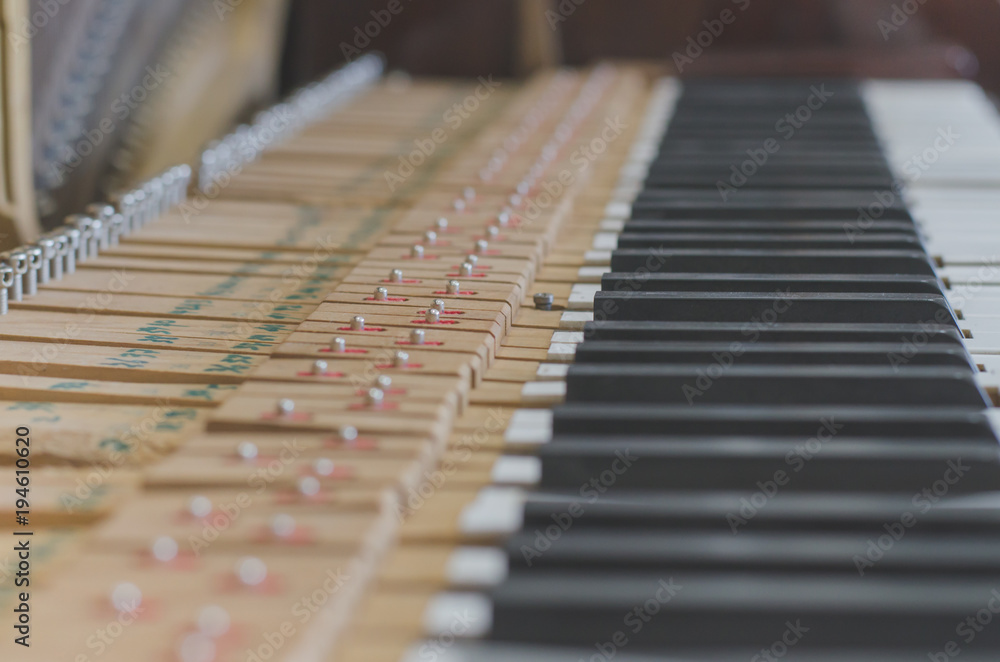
192,414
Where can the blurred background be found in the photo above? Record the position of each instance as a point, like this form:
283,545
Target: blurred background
470,37
120,89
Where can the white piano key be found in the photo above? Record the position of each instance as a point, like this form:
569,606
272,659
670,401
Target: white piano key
581,296
974,306
521,470
476,567
612,225
627,191
560,352
620,210
548,372
464,615
568,337
529,427
591,274
496,511
573,320
605,241
962,276
636,170
597,257
543,393
982,341
988,375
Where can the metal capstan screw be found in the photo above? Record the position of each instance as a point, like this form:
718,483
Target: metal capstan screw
6,282
63,254
48,247
73,243
35,262
18,261
544,300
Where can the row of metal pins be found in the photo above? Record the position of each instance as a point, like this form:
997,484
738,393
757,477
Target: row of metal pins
84,236
225,157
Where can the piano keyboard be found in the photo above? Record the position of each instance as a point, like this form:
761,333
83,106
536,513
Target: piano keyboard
591,367
774,437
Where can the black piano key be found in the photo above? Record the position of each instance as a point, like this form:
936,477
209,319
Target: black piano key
672,463
770,261
641,550
641,225
916,335
931,511
713,609
824,307
492,651
723,354
718,282
794,420
765,385
786,241
694,181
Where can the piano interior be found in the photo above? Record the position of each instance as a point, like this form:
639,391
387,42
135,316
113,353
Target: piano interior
548,330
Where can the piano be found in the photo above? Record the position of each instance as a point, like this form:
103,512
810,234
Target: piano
601,365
